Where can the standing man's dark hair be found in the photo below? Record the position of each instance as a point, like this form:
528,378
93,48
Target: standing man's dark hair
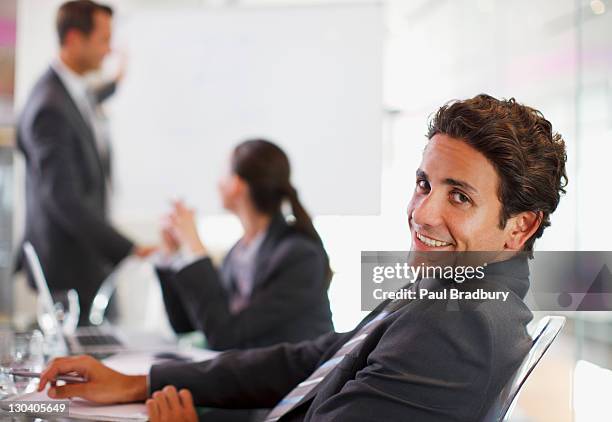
79,15
520,143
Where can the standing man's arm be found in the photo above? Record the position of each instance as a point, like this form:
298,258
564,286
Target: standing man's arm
104,91
61,187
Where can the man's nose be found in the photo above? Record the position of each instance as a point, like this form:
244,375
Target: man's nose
429,211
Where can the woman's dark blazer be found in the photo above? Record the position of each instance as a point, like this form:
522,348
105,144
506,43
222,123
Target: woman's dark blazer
288,302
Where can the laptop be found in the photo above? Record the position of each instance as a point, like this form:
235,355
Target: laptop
95,340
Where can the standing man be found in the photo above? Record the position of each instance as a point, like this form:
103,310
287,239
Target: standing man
66,188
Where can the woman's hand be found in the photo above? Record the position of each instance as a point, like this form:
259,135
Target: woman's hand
169,405
183,225
170,244
103,385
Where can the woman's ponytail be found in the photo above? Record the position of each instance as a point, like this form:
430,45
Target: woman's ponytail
303,224
265,168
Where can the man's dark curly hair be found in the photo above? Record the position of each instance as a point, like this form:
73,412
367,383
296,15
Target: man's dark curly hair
520,143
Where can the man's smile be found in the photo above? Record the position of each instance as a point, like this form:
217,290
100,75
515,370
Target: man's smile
431,242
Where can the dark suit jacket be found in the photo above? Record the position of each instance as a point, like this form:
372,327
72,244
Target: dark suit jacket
66,193
431,360
288,302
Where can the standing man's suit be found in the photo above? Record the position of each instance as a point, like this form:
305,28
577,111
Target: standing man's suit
66,191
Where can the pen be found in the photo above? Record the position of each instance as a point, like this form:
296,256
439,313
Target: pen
30,374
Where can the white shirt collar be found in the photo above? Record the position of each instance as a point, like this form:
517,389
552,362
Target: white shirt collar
74,83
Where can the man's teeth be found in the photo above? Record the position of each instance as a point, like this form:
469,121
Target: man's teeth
431,242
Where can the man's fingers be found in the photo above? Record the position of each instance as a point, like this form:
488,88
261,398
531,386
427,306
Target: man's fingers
188,407
170,405
52,371
162,405
173,400
186,398
79,364
152,410
67,391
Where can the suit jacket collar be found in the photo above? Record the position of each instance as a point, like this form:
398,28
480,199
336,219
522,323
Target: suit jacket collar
276,230
512,274
75,84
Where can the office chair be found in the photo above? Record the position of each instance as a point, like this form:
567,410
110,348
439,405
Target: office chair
545,333
102,299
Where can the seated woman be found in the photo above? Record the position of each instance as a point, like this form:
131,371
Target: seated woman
272,285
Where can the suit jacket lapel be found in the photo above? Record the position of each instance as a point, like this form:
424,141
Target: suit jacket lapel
85,129
388,305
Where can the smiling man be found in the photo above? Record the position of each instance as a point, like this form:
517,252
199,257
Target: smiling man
491,175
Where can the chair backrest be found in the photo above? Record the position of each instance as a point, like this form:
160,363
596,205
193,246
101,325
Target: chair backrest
544,334
102,299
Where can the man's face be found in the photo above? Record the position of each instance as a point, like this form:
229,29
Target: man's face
95,46
455,206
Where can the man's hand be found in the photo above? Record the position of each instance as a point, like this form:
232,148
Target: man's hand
122,66
169,406
103,385
144,251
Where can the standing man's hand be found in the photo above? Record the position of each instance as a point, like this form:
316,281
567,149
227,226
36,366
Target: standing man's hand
122,66
169,405
143,251
103,385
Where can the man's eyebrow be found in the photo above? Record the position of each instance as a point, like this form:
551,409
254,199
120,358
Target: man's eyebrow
421,174
460,184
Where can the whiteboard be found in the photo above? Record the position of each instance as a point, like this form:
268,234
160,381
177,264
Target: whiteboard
200,80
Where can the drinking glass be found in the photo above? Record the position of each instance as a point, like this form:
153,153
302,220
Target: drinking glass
66,313
23,351
6,348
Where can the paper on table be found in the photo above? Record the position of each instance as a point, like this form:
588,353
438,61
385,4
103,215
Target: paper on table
139,363
86,410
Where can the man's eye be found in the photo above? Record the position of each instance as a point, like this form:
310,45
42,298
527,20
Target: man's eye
460,197
422,185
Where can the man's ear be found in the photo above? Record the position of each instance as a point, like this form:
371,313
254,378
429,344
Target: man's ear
73,37
521,227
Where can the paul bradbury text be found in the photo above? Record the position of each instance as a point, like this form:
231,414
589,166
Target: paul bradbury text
452,294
